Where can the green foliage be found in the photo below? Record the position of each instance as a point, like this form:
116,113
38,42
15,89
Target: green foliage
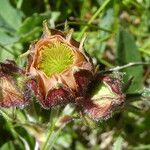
118,143
11,16
128,21
128,52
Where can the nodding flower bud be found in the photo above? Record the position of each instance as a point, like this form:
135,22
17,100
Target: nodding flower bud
14,92
105,97
61,67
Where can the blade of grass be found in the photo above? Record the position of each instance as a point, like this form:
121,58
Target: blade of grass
93,18
144,51
118,144
84,24
51,128
54,138
50,131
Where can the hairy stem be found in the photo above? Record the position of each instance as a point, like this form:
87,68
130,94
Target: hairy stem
124,66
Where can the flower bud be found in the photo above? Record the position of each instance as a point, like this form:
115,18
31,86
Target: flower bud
106,96
14,92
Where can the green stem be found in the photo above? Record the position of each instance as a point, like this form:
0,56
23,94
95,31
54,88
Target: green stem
47,5
84,23
55,138
144,51
106,63
53,117
131,64
50,131
93,17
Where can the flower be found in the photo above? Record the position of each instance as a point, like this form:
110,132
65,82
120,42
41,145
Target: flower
60,66
106,95
60,72
14,90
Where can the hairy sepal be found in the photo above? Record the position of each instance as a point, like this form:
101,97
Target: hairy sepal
14,91
106,97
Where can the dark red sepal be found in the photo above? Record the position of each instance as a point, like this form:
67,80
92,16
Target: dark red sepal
13,89
58,96
83,78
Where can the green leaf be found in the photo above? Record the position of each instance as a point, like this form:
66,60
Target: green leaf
6,39
8,145
32,26
141,147
96,41
11,15
30,23
127,52
118,144
6,54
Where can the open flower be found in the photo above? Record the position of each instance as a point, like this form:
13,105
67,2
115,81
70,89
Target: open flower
65,74
62,69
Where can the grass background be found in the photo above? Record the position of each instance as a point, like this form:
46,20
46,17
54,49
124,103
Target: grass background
118,32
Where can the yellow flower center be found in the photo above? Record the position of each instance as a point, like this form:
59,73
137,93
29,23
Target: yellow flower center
56,57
